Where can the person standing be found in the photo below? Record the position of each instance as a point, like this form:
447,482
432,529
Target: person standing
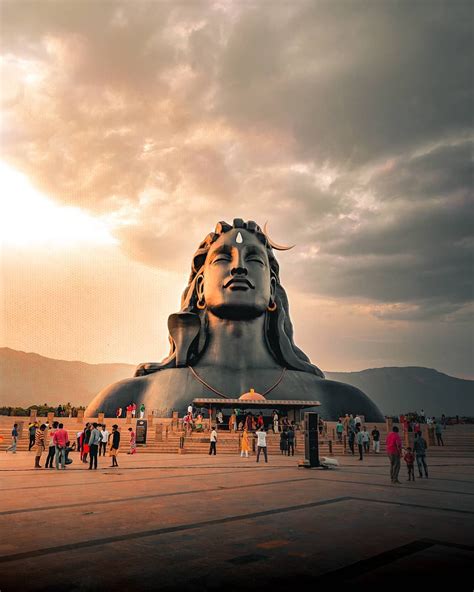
39,442
119,412
345,423
51,446
410,460
14,439
94,441
133,442
32,430
244,444
233,422
283,441
60,439
115,445
291,441
213,441
376,440
420,447
262,443
103,441
85,442
439,433
366,440
360,443
142,411
394,449
275,422
339,430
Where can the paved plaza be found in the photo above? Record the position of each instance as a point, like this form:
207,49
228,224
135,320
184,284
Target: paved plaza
194,522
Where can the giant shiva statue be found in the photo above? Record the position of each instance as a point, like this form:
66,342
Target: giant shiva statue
233,333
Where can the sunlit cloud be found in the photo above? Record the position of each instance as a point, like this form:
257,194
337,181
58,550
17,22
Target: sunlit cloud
28,218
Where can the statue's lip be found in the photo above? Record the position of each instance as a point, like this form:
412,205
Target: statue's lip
239,283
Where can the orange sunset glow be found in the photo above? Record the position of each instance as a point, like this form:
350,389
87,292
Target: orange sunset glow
130,129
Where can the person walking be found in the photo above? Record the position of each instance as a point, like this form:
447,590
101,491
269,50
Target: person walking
60,439
365,440
103,441
394,449
32,427
291,441
115,445
12,447
94,441
339,430
39,442
51,446
142,411
213,441
409,458
420,447
351,440
439,434
375,440
262,443
360,443
283,441
244,444
133,442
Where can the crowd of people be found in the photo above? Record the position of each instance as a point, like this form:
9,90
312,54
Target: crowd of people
130,411
91,442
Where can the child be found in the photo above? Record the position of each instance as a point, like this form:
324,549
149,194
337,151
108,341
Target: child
410,460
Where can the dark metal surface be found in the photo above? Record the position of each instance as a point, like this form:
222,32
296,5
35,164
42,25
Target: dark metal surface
234,328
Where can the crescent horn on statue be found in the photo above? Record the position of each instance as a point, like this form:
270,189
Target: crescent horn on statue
275,245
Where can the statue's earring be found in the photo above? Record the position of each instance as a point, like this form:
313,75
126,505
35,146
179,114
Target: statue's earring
272,307
201,304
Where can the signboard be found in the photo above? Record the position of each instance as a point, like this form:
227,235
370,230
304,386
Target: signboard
141,431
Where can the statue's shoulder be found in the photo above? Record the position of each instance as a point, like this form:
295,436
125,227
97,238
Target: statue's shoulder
336,398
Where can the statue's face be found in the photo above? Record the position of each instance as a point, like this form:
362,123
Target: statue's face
237,283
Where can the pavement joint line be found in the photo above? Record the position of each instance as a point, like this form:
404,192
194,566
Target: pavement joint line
150,496
342,480
411,505
214,522
166,530
364,566
79,483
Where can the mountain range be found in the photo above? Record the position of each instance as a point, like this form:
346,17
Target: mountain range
28,379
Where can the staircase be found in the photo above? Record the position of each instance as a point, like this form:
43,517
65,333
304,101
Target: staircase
458,439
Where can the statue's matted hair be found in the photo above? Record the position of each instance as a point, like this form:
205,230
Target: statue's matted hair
278,327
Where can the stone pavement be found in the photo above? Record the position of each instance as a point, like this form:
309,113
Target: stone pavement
194,522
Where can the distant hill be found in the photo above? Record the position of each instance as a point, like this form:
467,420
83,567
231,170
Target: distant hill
411,388
28,378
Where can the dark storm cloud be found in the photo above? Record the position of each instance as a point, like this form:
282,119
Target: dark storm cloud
347,124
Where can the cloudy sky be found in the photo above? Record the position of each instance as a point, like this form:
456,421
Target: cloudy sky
130,128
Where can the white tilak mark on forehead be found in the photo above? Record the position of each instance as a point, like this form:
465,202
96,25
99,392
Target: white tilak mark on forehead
239,238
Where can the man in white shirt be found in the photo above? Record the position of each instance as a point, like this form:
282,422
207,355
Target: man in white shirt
213,441
103,441
190,410
261,443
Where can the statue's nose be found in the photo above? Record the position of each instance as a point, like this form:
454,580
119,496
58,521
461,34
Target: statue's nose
239,271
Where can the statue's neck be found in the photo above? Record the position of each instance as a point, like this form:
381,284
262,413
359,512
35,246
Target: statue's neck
237,345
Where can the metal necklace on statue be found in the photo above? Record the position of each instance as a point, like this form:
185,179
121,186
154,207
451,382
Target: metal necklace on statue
207,385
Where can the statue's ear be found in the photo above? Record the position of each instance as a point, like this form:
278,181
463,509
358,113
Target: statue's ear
273,285
200,287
